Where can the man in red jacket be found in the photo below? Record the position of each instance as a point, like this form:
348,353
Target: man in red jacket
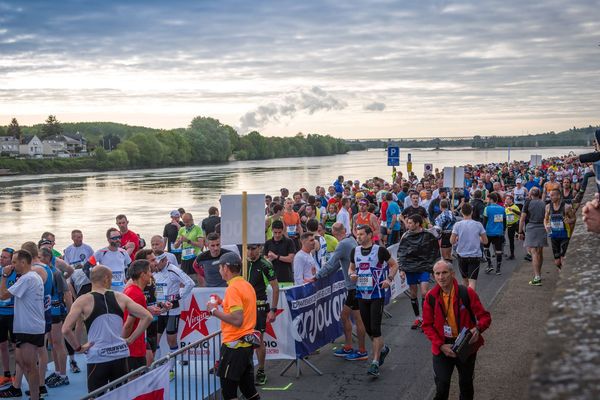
445,314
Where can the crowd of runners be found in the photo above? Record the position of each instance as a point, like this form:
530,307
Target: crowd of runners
114,303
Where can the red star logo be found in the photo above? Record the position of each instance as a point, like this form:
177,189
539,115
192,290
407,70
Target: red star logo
269,328
195,319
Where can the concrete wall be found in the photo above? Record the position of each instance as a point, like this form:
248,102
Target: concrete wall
568,366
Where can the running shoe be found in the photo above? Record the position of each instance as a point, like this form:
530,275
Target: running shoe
74,367
527,257
384,352
536,281
11,391
417,324
373,369
559,266
51,378
5,380
261,378
342,352
43,392
59,382
498,271
357,356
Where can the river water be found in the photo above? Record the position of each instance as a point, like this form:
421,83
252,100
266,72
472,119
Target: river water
59,203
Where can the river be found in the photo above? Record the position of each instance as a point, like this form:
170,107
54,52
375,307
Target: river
59,203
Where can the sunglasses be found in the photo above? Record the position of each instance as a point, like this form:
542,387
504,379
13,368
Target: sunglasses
115,238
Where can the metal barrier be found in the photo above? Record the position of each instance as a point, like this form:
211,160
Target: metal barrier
191,365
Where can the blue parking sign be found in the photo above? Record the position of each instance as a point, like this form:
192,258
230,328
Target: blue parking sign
393,152
393,162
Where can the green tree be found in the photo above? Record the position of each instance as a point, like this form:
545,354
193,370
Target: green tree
131,150
51,127
117,159
15,130
150,149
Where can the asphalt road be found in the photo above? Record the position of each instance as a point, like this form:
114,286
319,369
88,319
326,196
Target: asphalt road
407,372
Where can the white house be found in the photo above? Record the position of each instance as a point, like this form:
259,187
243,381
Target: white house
9,146
31,147
52,147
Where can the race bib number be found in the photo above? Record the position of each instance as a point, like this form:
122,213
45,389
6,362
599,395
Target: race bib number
161,292
498,218
447,331
510,218
557,225
365,278
117,278
291,230
187,253
175,249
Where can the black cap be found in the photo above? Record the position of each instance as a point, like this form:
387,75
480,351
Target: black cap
229,258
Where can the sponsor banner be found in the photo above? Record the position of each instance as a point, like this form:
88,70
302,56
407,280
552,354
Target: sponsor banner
315,309
195,323
399,285
153,385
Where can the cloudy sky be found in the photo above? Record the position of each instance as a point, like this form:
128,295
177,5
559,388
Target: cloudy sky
369,68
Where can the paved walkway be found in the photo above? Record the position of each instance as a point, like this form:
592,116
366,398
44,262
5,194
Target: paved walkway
518,314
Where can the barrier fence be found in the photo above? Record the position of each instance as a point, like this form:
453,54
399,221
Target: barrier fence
194,374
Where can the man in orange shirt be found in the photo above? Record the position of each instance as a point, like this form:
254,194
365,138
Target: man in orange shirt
238,318
291,223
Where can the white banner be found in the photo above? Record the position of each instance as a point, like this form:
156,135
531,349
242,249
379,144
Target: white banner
536,160
399,285
153,385
454,177
196,323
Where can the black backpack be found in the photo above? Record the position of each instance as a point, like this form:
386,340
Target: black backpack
463,294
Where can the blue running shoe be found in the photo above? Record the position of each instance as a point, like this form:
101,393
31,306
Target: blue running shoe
357,356
342,352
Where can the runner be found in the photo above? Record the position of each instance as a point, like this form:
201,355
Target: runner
445,222
549,186
494,220
341,259
275,216
204,265
321,252
170,233
172,287
305,265
29,322
114,258
7,313
520,194
291,221
157,243
51,238
238,319
330,217
129,239
343,215
60,299
468,235
373,269
280,252
103,312
209,223
513,212
261,274
392,214
532,230
191,240
78,253
141,277
558,220
414,209
417,252
364,217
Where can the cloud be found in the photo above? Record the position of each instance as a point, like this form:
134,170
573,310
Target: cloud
310,101
374,106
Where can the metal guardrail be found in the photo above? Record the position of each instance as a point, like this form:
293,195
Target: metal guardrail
190,364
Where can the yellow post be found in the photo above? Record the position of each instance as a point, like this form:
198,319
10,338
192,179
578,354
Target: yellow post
245,235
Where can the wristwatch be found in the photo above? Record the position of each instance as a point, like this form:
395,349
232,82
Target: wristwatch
4,275
212,312
273,309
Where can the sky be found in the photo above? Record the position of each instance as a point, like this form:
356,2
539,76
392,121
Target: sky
353,69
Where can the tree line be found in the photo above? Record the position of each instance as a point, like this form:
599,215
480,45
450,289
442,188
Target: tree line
204,141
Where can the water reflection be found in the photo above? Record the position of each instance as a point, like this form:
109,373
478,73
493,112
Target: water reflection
90,201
